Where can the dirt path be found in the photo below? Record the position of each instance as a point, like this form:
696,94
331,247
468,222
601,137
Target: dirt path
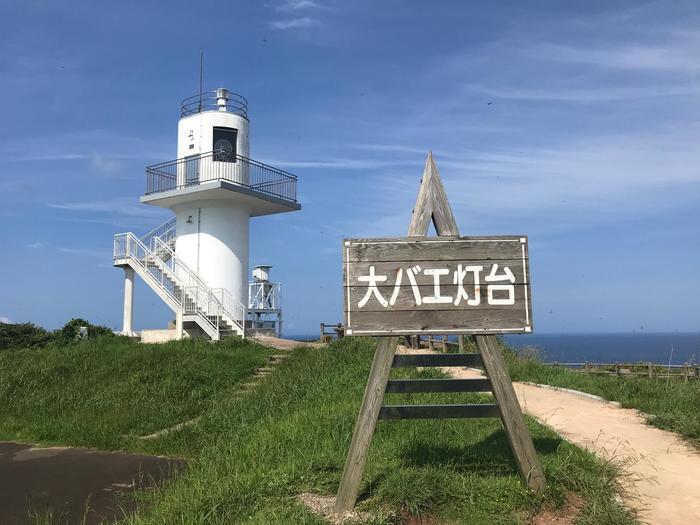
284,344
664,482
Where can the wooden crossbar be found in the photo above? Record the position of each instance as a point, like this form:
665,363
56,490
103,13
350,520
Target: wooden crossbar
408,360
408,386
438,411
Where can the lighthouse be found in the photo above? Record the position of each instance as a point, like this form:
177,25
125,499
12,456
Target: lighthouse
198,261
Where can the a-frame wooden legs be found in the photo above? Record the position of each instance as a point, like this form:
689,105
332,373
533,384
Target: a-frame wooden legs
501,386
366,423
511,414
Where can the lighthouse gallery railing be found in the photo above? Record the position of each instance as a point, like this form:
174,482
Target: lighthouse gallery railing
216,165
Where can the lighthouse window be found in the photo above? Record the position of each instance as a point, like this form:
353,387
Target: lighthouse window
224,140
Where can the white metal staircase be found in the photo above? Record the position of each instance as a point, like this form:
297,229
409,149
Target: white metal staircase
153,258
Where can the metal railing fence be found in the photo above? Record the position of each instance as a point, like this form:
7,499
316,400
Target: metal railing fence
212,166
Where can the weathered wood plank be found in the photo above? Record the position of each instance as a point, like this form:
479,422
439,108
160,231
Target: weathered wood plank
438,411
401,249
366,423
408,386
453,322
435,360
511,414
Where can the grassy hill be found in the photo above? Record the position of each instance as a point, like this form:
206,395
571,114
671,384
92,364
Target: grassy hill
251,456
256,454
103,392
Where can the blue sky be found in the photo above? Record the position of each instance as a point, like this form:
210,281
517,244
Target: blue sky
577,124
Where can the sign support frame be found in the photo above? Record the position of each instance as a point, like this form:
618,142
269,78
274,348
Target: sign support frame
432,205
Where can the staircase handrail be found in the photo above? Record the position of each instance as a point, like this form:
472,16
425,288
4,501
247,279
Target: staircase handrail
130,240
133,248
164,231
225,304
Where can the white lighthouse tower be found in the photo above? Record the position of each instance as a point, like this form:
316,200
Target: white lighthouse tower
198,261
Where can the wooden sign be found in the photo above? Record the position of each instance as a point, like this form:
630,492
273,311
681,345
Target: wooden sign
462,285
372,268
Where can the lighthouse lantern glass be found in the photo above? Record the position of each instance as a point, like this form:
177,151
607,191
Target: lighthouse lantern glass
224,140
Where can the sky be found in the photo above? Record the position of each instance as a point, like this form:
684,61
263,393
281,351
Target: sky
575,123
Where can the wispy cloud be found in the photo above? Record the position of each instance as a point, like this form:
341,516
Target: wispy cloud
588,180
5,320
123,206
678,53
102,148
298,5
302,13
293,23
35,245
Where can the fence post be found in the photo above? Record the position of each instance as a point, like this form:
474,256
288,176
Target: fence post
320,337
686,372
586,367
444,343
617,369
430,343
651,371
461,344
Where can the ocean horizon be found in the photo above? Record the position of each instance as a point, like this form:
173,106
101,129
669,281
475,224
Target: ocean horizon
655,347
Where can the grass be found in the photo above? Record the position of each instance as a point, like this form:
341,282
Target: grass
669,405
253,456
104,392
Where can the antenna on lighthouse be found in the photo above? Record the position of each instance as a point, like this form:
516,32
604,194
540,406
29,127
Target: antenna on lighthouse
201,76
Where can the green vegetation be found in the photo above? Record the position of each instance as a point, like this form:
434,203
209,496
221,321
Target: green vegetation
669,405
23,335
254,455
251,456
28,335
105,391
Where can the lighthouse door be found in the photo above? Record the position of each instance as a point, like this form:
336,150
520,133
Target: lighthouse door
192,170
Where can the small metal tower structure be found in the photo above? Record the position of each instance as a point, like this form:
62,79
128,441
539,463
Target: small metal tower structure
264,307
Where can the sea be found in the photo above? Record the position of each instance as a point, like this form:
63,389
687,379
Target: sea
656,347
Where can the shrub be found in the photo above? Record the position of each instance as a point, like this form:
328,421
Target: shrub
71,331
22,335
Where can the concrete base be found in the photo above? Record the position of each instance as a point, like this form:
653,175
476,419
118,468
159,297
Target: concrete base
158,336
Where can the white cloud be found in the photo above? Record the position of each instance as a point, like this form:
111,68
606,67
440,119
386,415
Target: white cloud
123,206
298,5
5,320
678,53
588,180
294,23
36,245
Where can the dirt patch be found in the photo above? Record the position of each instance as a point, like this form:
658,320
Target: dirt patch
323,506
565,515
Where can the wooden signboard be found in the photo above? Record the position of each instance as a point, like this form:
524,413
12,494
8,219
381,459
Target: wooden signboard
445,271
461,285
